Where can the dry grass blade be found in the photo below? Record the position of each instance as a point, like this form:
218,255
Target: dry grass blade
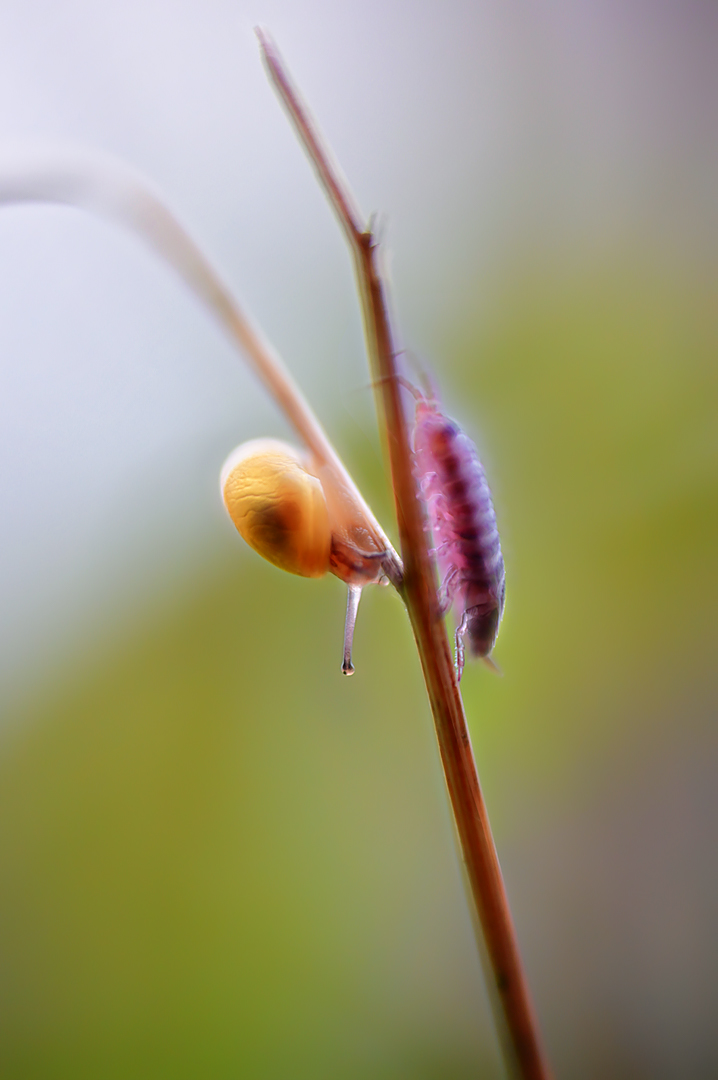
419,591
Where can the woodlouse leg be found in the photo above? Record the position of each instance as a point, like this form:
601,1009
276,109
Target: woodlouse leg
446,591
459,642
428,481
446,546
436,503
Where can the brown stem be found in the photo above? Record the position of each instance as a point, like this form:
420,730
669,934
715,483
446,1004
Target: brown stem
419,591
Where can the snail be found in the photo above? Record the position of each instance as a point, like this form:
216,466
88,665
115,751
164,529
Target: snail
296,512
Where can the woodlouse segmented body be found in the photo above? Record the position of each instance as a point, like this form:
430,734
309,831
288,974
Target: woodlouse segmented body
463,526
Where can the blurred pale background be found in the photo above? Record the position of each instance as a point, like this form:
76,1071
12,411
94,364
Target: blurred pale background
218,857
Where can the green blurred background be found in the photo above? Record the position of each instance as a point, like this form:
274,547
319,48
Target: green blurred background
218,858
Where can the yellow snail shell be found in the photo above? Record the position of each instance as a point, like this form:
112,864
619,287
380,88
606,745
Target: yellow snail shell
278,506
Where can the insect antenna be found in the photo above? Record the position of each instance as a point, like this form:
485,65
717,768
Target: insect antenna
353,597
422,374
405,383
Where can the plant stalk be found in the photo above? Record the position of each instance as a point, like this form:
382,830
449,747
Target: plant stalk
419,592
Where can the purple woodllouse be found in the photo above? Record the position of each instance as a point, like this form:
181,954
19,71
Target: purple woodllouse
463,525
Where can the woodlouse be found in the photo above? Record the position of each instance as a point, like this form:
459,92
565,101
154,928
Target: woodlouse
461,516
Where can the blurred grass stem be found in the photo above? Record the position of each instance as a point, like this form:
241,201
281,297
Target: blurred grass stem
107,187
419,592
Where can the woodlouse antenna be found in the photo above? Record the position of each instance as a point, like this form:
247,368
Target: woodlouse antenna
403,382
424,377
353,598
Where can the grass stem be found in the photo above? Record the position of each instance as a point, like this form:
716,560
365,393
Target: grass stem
419,591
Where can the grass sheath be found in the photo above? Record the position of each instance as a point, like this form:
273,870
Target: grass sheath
517,1019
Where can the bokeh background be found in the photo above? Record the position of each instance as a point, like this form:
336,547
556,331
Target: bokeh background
217,857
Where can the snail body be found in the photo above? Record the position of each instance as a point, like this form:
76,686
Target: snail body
291,511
